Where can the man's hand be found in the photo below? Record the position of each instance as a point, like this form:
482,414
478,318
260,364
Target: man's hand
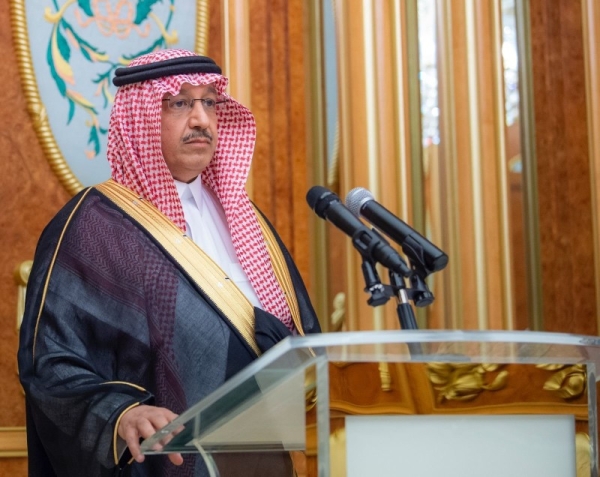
143,421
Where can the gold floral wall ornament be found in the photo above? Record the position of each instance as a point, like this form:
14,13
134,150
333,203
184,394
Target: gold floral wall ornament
568,382
336,321
464,381
67,51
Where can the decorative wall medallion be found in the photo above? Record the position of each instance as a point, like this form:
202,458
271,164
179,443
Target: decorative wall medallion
67,52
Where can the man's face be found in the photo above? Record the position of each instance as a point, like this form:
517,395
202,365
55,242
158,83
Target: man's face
189,136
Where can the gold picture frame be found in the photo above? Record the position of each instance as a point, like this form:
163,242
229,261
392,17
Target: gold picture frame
58,163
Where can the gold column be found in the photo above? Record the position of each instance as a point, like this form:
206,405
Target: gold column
450,239
476,173
528,154
317,151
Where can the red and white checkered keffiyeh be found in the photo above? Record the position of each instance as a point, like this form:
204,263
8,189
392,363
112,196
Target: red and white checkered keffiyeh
136,160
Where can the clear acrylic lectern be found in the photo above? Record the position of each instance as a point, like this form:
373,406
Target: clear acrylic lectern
408,403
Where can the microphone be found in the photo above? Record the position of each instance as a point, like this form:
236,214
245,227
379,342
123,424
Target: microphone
328,206
417,248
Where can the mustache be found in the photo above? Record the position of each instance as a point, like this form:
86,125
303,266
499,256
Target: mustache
198,133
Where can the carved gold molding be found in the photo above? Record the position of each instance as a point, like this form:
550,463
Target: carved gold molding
201,26
13,442
316,149
21,276
463,382
567,382
36,108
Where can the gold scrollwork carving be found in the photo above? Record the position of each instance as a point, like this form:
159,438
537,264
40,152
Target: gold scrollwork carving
21,276
464,381
568,382
13,442
339,312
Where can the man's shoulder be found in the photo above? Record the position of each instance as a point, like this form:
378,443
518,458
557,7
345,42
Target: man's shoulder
88,209
85,199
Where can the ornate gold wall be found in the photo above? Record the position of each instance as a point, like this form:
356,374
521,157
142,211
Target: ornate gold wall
523,248
262,43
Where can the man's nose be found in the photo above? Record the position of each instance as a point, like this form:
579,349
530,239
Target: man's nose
198,116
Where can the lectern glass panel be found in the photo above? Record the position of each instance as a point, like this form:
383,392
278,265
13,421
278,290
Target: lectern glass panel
311,394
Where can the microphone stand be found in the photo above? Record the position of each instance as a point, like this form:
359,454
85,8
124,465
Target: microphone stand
418,292
404,310
379,293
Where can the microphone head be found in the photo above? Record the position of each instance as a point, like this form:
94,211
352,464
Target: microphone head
356,198
319,198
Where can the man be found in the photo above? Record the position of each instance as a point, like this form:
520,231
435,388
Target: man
150,290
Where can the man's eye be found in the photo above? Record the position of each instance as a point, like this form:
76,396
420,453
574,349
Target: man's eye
179,103
209,103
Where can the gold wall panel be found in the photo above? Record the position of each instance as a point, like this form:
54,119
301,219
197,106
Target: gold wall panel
523,246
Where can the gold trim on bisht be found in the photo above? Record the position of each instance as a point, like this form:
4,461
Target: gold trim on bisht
36,107
50,268
200,267
282,272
